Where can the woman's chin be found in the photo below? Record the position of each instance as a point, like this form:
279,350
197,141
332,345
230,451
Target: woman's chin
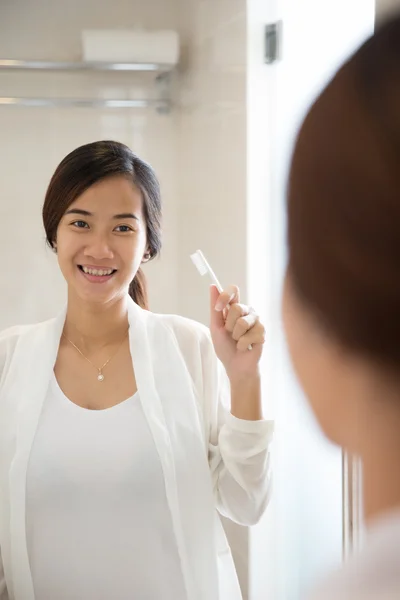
96,295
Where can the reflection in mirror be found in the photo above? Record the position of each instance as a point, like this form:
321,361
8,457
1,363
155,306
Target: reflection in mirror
168,430
127,435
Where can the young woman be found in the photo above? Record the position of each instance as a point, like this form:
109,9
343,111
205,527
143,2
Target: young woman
341,302
122,436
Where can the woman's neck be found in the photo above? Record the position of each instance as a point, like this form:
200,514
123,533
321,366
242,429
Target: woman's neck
91,326
381,468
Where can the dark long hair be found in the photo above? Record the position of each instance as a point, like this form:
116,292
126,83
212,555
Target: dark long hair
86,166
344,202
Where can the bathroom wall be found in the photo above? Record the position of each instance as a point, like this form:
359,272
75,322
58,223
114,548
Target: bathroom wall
212,151
300,538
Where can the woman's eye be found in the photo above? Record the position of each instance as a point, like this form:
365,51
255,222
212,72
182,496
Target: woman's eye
123,228
80,224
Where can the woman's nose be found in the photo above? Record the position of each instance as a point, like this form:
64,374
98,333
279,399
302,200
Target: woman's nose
99,248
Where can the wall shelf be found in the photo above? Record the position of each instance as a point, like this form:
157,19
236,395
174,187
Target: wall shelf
162,80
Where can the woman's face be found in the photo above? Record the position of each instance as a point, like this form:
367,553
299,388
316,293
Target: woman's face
101,240
331,378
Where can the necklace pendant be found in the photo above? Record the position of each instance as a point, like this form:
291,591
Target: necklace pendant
100,376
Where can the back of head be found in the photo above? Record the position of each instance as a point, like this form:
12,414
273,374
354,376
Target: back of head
344,202
90,164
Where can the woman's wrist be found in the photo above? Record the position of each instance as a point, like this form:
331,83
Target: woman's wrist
246,401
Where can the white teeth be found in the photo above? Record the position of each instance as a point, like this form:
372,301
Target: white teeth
98,272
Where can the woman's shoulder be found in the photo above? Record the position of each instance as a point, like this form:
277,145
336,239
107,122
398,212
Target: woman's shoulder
350,585
8,341
373,572
10,336
189,334
183,326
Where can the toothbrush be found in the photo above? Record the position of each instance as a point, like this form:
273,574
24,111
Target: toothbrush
204,268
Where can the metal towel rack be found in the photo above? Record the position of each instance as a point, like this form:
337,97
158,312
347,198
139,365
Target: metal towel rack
162,103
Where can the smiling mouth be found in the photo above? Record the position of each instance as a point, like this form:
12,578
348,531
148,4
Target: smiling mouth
97,272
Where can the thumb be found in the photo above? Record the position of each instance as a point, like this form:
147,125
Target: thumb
217,320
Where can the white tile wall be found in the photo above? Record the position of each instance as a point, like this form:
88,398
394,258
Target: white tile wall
212,176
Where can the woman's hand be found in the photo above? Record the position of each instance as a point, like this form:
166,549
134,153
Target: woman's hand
234,328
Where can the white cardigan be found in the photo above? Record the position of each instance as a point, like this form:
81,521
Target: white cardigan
211,461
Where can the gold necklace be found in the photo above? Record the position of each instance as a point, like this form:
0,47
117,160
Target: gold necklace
100,375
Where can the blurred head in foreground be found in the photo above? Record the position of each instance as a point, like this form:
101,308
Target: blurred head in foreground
341,301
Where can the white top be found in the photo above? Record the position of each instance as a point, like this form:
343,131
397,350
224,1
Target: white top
212,462
373,573
98,524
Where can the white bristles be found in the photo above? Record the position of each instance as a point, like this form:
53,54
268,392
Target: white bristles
199,262
203,267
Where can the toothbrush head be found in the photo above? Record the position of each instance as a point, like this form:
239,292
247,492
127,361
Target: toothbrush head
200,262
203,267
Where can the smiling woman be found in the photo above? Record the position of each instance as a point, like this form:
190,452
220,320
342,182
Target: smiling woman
111,193
104,247
124,435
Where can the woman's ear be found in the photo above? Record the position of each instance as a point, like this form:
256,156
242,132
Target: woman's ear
146,256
